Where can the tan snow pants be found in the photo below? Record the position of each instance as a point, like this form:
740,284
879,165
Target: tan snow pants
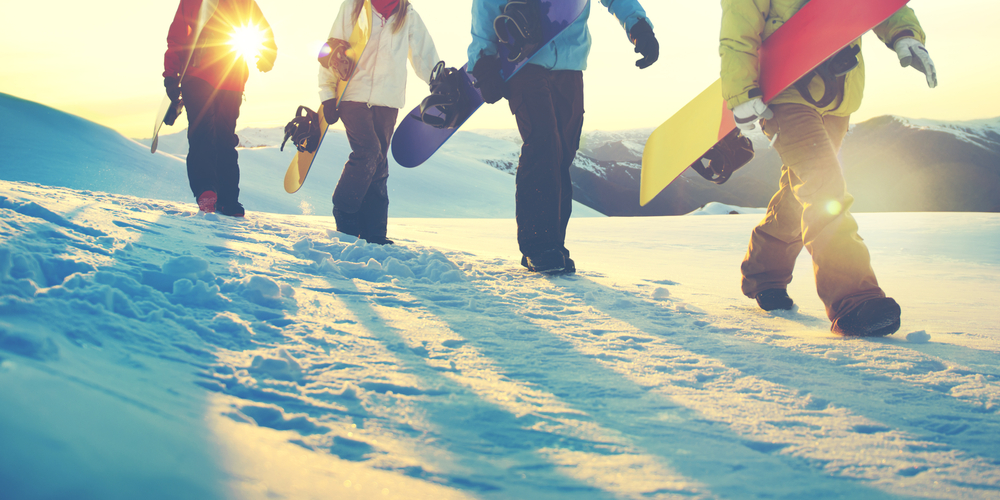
810,209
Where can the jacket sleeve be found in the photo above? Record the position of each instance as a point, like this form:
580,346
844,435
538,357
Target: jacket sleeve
739,41
179,39
484,38
628,12
341,30
270,51
902,24
423,55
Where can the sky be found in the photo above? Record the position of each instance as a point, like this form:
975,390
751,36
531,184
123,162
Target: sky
102,60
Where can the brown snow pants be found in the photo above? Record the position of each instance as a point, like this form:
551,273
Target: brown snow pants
811,210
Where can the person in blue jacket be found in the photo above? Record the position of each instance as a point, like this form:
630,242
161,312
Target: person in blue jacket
546,98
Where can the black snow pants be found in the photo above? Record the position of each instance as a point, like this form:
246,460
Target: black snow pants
548,106
212,160
361,199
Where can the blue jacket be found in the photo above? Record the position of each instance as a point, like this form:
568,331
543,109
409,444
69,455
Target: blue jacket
569,50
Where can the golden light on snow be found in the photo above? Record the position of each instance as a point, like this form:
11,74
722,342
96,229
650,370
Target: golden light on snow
247,41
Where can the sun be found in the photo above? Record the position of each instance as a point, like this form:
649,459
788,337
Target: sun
247,41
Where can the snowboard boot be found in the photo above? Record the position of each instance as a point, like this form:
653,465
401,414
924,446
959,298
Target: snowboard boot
569,269
374,220
206,201
234,209
774,298
873,318
349,224
547,262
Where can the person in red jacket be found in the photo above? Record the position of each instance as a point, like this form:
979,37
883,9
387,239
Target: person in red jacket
205,63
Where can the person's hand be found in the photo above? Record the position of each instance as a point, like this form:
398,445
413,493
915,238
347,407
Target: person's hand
749,113
913,53
330,112
173,86
488,79
645,43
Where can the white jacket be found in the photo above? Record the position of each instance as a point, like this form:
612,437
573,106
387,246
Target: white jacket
380,78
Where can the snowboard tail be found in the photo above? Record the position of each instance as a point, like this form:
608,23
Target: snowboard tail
828,26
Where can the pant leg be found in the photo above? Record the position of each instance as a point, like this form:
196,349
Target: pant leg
808,144
568,100
199,95
374,210
775,243
227,168
365,158
539,182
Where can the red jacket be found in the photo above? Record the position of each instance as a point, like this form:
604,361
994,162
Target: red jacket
213,59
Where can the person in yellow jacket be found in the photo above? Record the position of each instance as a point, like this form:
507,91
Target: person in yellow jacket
807,123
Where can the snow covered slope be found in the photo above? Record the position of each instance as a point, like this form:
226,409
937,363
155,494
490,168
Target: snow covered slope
47,146
150,352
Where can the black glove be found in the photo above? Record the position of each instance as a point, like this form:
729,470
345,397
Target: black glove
330,112
173,86
645,43
488,79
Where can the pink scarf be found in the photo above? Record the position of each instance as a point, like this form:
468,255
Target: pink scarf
385,7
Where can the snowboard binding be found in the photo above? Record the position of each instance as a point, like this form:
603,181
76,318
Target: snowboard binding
303,130
519,26
830,71
725,157
333,56
448,104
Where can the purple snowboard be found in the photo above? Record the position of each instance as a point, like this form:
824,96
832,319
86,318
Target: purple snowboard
414,141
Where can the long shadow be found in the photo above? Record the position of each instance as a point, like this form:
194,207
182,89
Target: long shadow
926,412
704,451
497,449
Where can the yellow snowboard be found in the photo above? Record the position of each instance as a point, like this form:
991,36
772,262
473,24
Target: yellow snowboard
300,165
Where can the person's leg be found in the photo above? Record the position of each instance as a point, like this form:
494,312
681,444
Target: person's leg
539,181
374,210
360,168
567,98
226,110
198,97
808,144
775,243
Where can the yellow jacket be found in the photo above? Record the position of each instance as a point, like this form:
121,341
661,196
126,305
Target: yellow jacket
747,23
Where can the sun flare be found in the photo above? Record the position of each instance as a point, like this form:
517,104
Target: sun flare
247,41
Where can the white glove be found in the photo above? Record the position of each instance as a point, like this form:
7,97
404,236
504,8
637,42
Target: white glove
749,113
913,53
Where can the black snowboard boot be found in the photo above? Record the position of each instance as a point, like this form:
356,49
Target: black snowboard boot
232,209
774,298
547,262
873,318
349,224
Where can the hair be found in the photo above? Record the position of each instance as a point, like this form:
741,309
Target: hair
401,11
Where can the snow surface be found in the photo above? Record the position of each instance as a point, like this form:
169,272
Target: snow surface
149,351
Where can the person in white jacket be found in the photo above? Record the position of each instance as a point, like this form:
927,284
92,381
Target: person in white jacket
370,106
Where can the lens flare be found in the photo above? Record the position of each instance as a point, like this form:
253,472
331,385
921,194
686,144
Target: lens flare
834,207
247,42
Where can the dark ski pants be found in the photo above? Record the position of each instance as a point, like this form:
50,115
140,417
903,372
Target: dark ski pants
212,160
811,210
548,107
361,199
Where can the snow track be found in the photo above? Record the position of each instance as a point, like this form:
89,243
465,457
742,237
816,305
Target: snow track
273,357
